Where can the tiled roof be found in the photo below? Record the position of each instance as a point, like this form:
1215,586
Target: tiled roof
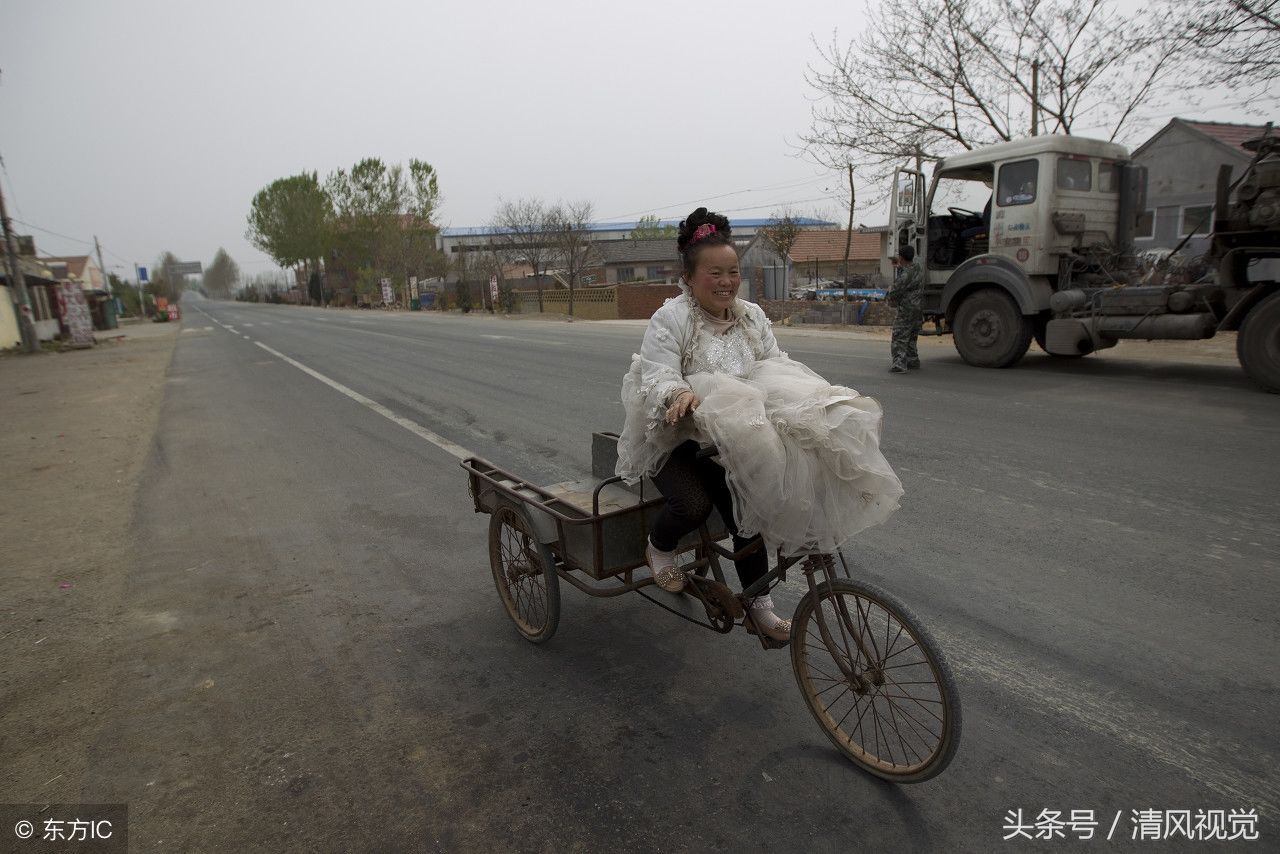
636,251
75,264
826,245
1228,134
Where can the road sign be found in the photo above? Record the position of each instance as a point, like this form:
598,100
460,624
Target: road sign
413,287
493,290
186,268
142,274
386,291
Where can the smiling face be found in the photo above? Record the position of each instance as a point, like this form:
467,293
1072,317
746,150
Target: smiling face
715,278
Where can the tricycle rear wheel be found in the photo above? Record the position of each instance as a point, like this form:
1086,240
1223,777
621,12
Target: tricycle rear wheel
902,722
524,571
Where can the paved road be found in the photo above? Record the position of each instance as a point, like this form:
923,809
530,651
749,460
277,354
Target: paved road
320,660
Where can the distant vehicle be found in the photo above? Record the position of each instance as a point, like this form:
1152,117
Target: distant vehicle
840,293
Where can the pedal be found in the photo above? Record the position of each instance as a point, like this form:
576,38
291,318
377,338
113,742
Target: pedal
721,595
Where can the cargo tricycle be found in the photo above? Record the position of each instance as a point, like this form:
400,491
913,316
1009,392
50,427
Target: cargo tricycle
870,673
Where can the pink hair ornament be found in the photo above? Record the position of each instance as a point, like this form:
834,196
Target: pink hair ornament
702,232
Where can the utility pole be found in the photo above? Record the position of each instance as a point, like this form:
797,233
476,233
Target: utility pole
142,299
106,282
848,238
17,281
1035,98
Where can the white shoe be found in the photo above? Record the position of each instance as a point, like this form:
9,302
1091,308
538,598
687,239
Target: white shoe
665,572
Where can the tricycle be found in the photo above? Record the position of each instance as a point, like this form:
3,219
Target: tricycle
870,673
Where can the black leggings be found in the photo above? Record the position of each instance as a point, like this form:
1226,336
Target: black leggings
692,487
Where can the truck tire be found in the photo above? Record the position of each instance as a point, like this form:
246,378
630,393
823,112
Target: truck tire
1258,343
990,331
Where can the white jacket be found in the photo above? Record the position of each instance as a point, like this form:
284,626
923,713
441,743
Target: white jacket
675,338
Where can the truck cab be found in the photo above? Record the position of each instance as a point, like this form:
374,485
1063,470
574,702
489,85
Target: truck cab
1002,228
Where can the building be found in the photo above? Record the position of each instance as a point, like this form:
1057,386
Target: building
623,261
40,282
1182,161
81,269
478,238
816,259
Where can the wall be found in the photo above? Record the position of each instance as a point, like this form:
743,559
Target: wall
639,302
10,335
1182,171
588,303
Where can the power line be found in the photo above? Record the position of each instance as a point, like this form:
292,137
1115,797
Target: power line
1180,112
54,233
781,203
786,185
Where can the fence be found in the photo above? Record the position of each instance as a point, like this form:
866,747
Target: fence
588,303
859,313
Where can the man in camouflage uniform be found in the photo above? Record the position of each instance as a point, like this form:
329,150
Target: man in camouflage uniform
906,295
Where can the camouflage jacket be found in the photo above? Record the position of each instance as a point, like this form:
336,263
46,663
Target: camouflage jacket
908,287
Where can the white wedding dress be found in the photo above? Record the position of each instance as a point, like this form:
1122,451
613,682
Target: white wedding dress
802,456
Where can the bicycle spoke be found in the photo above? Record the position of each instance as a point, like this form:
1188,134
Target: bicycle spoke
919,701
902,742
910,717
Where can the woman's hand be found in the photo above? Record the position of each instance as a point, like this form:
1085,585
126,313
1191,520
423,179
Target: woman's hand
685,402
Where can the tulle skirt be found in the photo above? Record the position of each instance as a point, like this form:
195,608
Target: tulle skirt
802,457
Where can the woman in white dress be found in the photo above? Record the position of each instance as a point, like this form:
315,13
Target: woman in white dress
799,460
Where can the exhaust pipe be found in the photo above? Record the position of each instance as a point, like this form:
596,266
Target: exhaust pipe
1186,327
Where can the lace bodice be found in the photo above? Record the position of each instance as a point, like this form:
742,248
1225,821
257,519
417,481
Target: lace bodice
729,353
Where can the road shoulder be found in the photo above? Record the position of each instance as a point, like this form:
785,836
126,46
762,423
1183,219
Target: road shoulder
78,428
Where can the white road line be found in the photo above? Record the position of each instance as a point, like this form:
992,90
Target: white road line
230,329
412,426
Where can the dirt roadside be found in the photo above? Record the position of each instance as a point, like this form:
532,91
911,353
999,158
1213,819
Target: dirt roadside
77,427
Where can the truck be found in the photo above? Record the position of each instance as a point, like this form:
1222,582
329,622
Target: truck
1050,257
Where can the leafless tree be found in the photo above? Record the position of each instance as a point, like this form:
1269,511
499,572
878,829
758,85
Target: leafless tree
574,247
781,236
1233,43
524,227
928,77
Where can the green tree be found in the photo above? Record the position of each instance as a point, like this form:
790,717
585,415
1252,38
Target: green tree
291,221
221,277
383,221
648,228
164,281
125,292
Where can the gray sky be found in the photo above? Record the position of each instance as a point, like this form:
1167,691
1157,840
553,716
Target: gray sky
152,124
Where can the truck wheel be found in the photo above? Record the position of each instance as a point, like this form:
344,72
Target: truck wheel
989,331
1258,344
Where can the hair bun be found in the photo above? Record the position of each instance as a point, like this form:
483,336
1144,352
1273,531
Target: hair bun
701,216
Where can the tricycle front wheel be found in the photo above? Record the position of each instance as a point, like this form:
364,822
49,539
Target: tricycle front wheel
524,571
893,708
